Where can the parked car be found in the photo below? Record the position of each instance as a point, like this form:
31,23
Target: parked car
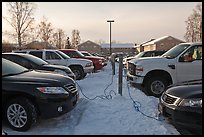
80,67
154,74
97,61
28,94
182,103
86,53
32,62
144,54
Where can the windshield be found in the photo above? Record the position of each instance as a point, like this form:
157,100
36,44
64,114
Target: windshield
175,51
79,53
139,55
36,60
63,55
11,68
86,54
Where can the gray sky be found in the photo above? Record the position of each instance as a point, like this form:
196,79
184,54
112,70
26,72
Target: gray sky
135,22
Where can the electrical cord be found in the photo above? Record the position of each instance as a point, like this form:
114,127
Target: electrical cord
137,105
105,96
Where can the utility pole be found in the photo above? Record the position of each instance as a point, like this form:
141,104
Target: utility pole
110,33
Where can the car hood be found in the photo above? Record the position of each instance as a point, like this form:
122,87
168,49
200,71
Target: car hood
93,58
39,78
79,59
61,67
151,59
186,91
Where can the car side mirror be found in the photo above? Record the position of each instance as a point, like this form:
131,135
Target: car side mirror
181,59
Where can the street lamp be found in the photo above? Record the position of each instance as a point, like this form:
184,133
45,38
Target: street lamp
110,33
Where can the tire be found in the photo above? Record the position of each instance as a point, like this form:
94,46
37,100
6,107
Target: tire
20,114
156,86
84,75
78,72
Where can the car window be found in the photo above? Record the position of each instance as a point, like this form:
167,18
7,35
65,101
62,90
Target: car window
36,53
72,54
51,55
194,53
9,68
147,54
63,55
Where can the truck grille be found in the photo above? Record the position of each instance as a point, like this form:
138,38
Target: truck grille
131,68
71,88
168,99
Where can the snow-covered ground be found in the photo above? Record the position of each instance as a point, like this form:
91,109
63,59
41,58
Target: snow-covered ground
108,114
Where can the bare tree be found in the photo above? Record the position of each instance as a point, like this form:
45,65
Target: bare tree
45,30
20,18
68,44
194,25
75,38
59,39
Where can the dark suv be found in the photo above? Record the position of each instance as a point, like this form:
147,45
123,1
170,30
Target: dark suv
182,103
27,95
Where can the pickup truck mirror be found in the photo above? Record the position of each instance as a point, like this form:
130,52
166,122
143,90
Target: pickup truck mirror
181,59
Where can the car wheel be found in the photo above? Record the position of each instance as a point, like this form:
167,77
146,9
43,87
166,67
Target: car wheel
20,114
78,72
84,75
155,86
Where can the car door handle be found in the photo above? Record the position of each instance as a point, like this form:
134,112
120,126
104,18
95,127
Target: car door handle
171,66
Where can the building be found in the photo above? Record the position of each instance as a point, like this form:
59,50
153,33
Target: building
39,45
163,43
126,48
140,48
90,46
8,47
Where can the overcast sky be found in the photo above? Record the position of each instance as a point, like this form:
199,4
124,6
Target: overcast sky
135,22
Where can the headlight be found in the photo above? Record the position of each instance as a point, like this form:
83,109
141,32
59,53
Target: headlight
60,72
52,90
138,69
100,61
89,64
195,102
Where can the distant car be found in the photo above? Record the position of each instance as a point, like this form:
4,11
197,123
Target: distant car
182,103
27,95
80,67
72,53
86,53
152,53
32,62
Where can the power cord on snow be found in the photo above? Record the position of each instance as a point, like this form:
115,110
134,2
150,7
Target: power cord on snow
137,105
109,96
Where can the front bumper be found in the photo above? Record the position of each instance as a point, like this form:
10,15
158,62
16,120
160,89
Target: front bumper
135,79
51,106
88,69
186,117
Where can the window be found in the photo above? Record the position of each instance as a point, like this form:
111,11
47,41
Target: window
194,53
51,55
36,53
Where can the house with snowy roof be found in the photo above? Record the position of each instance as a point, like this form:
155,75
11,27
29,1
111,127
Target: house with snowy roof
162,43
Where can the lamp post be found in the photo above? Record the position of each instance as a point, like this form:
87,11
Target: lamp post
110,34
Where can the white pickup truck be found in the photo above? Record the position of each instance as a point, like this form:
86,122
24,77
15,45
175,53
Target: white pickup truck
80,67
181,63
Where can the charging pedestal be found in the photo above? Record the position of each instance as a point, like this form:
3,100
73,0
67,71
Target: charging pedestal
120,77
112,59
